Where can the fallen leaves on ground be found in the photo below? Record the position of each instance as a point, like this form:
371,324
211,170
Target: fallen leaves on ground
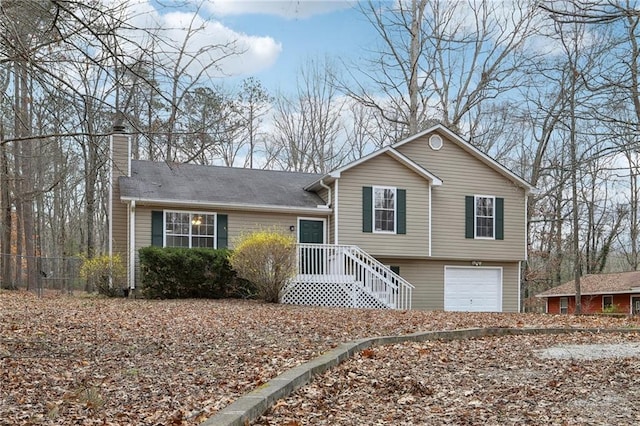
81,360
487,381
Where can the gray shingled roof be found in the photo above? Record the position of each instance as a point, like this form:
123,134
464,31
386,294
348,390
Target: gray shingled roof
215,184
620,282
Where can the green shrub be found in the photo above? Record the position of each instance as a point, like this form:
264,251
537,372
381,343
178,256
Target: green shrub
173,273
267,259
106,274
612,309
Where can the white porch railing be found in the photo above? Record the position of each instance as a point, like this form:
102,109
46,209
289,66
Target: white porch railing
339,275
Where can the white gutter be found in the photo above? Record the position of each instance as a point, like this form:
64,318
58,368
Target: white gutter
132,245
322,209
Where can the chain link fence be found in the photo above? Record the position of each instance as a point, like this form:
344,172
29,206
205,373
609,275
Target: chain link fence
41,274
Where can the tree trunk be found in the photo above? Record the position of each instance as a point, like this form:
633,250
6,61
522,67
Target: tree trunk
7,225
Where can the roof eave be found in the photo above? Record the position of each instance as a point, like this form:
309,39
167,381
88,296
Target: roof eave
399,157
591,293
320,209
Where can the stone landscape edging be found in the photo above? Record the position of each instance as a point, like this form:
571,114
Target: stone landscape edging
252,405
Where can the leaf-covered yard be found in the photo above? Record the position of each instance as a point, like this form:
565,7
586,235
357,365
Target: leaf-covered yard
66,360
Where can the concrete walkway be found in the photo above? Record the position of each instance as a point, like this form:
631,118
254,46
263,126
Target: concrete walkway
252,405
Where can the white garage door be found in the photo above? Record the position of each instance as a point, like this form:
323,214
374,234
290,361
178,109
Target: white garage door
472,289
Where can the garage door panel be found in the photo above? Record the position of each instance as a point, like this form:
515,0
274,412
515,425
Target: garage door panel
473,289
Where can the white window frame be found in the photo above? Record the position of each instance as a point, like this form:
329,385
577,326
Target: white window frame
475,217
190,236
395,209
565,307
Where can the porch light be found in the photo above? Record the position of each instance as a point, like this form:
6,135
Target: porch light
476,263
197,220
292,228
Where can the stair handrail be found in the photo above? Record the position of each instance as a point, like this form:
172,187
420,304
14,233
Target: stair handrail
394,281
400,287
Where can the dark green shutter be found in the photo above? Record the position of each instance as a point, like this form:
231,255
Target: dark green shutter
367,206
469,214
395,269
221,232
157,223
402,211
499,218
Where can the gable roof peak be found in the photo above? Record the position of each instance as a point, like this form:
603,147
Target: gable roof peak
389,150
467,146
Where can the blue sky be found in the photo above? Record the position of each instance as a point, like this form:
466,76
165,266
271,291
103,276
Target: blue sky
279,36
340,34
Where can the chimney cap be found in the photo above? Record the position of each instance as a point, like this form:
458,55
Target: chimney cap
118,123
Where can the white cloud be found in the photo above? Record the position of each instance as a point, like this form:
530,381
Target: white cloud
289,9
254,53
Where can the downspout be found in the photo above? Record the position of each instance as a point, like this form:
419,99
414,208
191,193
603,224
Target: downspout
523,264
526,226
110,199
328,203
520,307
132,245
335,215
430,221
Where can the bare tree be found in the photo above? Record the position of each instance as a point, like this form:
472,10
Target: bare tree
253,105
211,125
444,61
184,69
399,74
307,126
39,43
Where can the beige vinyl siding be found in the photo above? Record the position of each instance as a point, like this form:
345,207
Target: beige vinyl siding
428,278
384,171
463,174
143,235
238,222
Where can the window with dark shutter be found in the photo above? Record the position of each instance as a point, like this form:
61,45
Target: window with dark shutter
384,210
402,211
367,206
157,218
484,217
188,229
222,231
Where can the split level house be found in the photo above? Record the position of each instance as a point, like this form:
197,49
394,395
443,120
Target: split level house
428,223
615,293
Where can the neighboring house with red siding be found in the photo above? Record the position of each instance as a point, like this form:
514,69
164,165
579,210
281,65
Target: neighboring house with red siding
429,222
618,292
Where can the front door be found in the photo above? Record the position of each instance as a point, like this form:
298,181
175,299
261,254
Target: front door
311,231
635,305
311,258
